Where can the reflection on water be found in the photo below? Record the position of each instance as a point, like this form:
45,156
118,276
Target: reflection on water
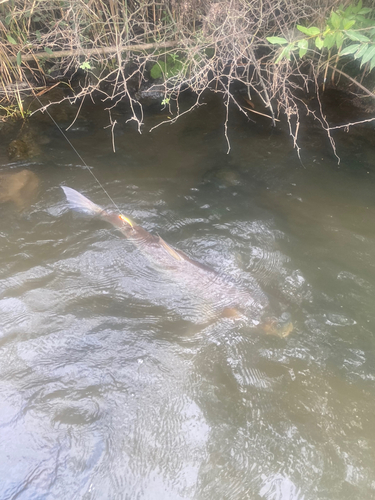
111,389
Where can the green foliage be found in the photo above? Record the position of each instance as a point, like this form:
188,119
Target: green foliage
168,67
277,40
303,46
11,40
85,65
309,31
352,27
14,110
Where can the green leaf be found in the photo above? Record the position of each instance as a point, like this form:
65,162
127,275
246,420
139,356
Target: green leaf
350,49
285,53
362,21
358,7
19,58
303,29
319,42
329,40
339,39
372,63
356,37
158,70
85,65
365,10
303,46
349,24
38,35
11,40
313,31
361,51
370,53
175,69
155,72
348,10
335,20
277,40
48,50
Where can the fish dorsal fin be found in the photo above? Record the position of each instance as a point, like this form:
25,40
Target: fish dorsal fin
170,250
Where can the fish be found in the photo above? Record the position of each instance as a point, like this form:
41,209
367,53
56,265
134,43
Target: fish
226,298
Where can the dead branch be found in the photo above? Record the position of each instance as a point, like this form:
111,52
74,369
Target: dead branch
359,85
95,51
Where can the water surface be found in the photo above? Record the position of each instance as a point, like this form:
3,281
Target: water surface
113,387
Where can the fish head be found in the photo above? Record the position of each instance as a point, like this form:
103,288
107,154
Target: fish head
278,327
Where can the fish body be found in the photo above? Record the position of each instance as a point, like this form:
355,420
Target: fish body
224,296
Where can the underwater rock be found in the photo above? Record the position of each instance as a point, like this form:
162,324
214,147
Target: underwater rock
20,149
150,95
20,188
27,144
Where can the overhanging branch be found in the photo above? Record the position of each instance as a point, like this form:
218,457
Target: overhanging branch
94,51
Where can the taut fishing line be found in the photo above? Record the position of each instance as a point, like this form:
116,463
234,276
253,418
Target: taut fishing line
79,156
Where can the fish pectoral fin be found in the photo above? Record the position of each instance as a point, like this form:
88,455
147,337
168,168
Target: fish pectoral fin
173,253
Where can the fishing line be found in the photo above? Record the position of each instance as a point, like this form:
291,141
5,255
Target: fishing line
79,156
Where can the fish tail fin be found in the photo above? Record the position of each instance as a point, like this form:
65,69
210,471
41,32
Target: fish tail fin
80,203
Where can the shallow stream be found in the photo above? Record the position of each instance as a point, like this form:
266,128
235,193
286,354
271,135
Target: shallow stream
113,386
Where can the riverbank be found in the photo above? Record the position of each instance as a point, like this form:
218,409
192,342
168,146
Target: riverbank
273,63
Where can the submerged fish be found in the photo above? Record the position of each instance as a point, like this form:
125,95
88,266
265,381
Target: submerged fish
225,297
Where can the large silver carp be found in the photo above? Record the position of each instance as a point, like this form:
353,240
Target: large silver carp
225,298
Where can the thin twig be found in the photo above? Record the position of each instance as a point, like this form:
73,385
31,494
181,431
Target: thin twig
262,114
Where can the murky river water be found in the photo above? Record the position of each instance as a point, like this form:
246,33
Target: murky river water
112,386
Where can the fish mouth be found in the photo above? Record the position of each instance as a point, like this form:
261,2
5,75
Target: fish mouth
279,327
